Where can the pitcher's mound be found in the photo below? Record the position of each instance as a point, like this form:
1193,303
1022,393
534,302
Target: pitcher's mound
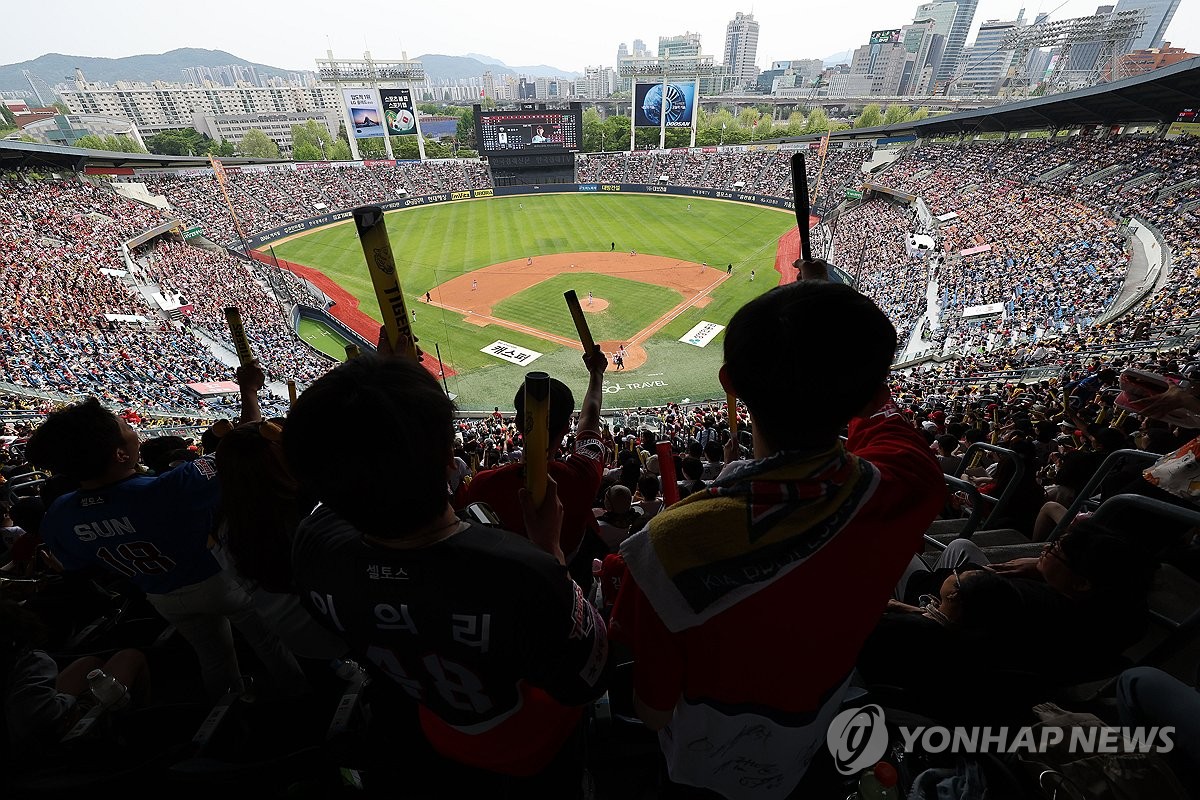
593,306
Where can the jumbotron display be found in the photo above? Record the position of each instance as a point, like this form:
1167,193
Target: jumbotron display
528,131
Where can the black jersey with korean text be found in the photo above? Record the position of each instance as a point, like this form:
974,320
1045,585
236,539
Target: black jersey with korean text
475,627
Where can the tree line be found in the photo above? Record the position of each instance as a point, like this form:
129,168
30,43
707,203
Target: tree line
312,141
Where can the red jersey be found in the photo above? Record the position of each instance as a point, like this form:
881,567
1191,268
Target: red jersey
766,642
578,478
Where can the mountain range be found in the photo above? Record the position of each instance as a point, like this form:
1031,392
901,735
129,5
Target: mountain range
57,67
472,65
53,68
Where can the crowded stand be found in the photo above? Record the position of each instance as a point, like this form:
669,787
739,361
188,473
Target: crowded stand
306,636
870,247
1054,263
765,172
268,198
211,282
72,323
399,611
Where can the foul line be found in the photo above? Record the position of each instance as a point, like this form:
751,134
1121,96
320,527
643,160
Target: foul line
670,316
469,315
637,338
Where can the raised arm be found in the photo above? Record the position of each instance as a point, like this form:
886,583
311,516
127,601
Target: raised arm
250,379
589,414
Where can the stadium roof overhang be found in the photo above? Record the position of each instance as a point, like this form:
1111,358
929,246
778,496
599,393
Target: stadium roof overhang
1154,98
14,154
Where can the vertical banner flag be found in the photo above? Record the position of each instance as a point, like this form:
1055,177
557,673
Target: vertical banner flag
824,146
398,112
365,116
649,104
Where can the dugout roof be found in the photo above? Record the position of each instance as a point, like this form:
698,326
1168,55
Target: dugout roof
1154,98
15,154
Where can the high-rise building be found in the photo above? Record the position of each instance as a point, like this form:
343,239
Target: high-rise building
796,73
964,17
686,45
923,47
741,49
1160,14
990,60
622,52
880,63
942,12
243,74
639,48
162,106
598,83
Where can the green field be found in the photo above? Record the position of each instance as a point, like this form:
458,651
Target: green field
433,244
639,305
324,338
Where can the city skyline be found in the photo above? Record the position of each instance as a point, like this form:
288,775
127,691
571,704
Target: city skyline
786,32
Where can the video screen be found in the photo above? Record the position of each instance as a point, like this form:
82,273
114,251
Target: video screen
528,131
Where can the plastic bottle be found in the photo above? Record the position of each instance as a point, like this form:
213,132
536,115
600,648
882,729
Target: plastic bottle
108,690
596,590
879,783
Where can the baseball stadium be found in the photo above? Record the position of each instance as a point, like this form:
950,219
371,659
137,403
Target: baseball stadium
680,267
920,467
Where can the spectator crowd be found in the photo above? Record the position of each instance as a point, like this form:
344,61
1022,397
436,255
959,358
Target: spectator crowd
727,577
764,172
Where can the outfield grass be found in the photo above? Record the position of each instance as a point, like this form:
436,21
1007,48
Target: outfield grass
433,244
324,338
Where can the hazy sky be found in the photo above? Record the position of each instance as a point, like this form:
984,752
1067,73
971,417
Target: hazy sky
570,36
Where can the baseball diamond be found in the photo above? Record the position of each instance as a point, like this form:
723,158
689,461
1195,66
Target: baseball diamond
495,269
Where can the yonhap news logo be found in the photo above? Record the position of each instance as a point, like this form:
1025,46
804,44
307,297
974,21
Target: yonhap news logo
858,738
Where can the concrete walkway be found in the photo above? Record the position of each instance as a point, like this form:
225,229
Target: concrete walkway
1145,270
917,345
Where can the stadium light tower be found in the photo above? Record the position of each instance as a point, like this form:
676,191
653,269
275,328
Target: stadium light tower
1113,32
371,72
665,68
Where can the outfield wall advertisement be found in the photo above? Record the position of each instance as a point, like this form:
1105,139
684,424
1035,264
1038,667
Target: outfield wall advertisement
506,191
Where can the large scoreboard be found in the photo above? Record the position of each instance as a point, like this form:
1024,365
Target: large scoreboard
528,131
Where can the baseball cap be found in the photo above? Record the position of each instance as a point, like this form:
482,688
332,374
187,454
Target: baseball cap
930,426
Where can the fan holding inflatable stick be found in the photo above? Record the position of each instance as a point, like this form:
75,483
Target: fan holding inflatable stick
233,318
808,267
666,473
377,249
581,326
536,427
250,376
